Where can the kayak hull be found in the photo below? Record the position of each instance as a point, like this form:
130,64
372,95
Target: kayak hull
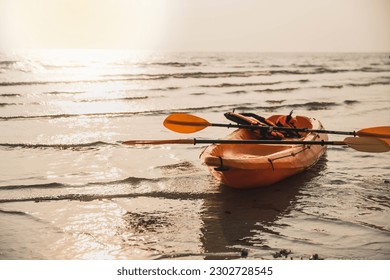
259,165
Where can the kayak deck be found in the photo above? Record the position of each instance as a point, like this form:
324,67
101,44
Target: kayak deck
258,165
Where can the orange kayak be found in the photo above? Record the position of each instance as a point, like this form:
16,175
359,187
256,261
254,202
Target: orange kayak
258,165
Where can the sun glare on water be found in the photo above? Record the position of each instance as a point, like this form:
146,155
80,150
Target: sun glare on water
81,83
94,81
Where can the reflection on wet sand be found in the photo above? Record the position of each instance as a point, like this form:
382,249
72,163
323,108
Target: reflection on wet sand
234,220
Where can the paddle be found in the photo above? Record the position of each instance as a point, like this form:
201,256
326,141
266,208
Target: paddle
186,123
362,144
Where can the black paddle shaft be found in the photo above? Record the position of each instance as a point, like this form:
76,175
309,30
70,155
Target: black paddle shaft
278,142
270,128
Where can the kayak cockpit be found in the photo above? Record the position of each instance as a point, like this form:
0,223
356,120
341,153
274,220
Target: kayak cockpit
254,165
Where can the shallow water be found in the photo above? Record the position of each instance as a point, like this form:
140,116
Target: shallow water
70,190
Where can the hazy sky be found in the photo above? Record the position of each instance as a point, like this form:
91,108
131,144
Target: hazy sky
197,25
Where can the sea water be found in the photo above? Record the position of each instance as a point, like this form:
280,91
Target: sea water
70,190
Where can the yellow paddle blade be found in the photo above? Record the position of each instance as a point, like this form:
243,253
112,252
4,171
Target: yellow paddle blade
367,144
382,132
185,123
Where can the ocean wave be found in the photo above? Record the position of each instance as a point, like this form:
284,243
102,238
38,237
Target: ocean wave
70,65
67,82
290,72
223,85
196,75
211,108
11,212
374,83
60,116
64,92
141,77
186,75
73,147
275,101
8,104
380,81
21,213
32,83
91,197
24,65
77,194
350,102
164,89
7,62
332,86
10,95
173,64
132,181
57,66
311,106
114,99
276,89
320,70
88,115
237,92
325,70
53,185
308,65
115,114
184,167
373,70
249,84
